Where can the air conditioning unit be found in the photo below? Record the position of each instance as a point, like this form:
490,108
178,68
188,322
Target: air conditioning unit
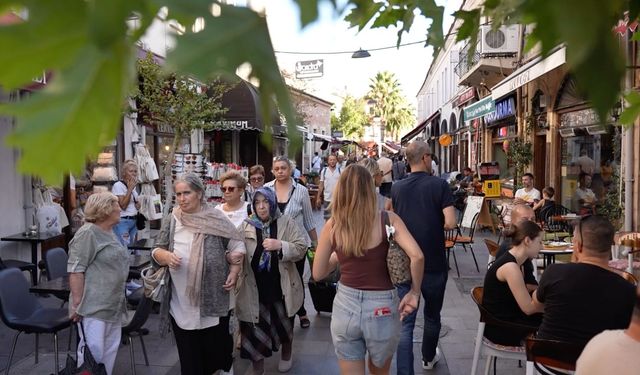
504,40
567,132
596,129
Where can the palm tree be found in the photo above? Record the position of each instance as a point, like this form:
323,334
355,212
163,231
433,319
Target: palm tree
390,106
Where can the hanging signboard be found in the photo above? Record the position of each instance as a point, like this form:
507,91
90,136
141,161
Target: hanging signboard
309,69
504,108
479,108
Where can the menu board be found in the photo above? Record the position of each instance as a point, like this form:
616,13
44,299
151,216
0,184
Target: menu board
474,205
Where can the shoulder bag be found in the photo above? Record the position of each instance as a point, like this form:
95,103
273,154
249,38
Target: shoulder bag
398,262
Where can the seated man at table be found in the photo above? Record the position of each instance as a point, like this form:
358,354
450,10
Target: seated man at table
528,194
584,298
520,213
613,351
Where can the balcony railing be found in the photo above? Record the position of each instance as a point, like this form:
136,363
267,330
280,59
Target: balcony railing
466,62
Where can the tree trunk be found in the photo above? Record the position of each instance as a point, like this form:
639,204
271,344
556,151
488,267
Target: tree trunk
167,172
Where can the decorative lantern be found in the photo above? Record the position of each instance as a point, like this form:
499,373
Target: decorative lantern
505,146
445,140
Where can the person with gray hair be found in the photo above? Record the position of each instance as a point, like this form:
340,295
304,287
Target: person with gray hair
125,190
384,203
98,266
195,242
425,204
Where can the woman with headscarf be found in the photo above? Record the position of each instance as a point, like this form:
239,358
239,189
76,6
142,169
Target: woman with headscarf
196,242
270,290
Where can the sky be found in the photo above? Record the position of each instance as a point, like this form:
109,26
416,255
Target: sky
342,74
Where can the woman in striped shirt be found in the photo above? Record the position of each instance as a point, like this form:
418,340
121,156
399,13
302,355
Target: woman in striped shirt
293,200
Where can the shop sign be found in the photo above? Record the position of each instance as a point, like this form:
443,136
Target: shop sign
309,69
231,125
165,128
479,109
464,97
579,118
337,134
504,108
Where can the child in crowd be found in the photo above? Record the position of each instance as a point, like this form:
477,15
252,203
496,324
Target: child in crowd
546,201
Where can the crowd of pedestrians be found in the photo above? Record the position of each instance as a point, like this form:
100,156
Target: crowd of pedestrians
236,270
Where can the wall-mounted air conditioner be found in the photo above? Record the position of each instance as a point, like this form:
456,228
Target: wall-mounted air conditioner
567,132
596,129
503,40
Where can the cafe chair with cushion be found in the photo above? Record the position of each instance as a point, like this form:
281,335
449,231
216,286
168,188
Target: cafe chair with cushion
468,240
486,346
492,248
22,266
552,357
554,224
135,328
21,311
450,237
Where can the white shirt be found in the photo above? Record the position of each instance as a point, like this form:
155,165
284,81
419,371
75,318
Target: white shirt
316,162
610,352
528,196
237,216
186,315
330,180
119,189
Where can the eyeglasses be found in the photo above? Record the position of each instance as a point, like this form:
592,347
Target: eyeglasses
275,169
256,179
281,158
230,189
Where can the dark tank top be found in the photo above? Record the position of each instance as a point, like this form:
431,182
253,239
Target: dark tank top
368,272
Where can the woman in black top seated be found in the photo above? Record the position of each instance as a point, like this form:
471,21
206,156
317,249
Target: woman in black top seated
505,294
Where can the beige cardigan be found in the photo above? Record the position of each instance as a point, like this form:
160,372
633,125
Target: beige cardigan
294,247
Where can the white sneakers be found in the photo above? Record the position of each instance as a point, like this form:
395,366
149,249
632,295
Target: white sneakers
429,365
284,366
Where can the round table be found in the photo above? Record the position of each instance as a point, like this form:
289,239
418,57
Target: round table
549,253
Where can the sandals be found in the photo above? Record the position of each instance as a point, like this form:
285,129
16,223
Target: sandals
305,323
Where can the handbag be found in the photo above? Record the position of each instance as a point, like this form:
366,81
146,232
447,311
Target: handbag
140,221
155,282
89,367
398,262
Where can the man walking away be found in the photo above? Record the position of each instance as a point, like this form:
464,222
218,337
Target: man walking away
399,168
385,165
328,179
425,204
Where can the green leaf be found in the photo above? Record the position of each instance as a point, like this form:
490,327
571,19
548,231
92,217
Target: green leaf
634,9
308,11
107,21
363,12
435,34
237,36
49,40
632,111
78,112
469,28
389,17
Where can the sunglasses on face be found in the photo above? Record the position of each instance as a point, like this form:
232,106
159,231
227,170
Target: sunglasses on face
256,179
229,189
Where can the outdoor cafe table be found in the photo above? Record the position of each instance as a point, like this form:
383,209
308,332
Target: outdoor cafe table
34,241
549,253
59,287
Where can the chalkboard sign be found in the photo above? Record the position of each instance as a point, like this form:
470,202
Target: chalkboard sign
474,205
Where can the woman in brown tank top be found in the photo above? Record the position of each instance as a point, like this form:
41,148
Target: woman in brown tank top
366,310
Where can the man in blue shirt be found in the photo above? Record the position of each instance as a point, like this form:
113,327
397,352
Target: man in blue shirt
425,204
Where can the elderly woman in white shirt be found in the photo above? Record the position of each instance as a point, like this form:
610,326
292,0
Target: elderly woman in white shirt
195,242
233,190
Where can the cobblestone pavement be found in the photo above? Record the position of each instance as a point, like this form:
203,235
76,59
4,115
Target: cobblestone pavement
313,349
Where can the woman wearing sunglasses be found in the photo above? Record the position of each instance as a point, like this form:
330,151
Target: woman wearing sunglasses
256,181
270,290
293,200
233,188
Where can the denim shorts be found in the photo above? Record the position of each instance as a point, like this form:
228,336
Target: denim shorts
365,321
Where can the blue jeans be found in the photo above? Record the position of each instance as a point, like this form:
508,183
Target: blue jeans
433,287
126,231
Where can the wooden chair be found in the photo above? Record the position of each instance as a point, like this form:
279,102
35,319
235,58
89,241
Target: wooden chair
550,356
465,241
484,345
493,248
450,237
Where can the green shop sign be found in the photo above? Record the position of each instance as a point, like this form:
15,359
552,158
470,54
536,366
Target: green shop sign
479,108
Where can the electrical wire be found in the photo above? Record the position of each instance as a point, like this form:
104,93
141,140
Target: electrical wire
349,52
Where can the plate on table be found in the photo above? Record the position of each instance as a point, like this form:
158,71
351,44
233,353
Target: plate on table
556,245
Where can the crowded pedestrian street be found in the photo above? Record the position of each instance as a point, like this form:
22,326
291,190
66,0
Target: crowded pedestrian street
313,349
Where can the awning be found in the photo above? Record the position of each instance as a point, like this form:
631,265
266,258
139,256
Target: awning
390,149
529,71
242,101
415,131
479,108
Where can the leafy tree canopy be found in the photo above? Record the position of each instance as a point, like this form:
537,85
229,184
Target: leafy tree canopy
89,49
353,118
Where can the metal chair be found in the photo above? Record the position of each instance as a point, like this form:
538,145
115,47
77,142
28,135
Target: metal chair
450,237
21,311
550,356
55,262
22,266
484,345
134,328
468,240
